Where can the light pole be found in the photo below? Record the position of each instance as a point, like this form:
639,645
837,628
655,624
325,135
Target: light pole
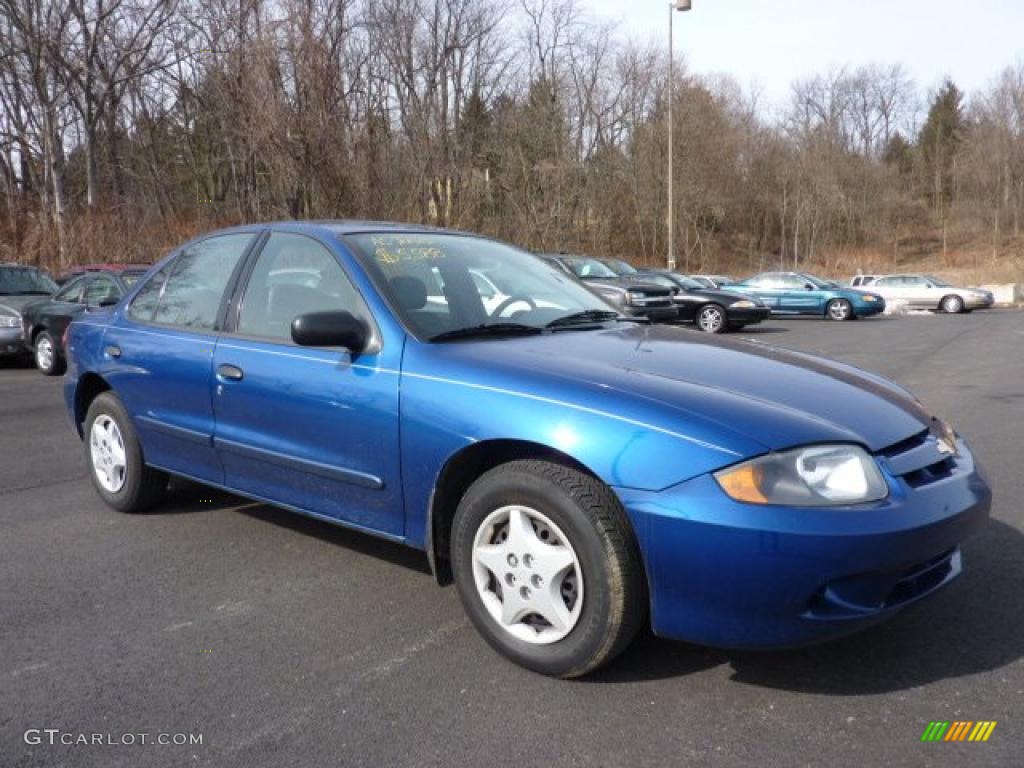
673,6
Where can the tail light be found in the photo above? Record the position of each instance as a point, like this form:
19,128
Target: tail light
64,338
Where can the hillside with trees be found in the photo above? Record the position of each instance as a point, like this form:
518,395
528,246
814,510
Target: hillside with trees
128,125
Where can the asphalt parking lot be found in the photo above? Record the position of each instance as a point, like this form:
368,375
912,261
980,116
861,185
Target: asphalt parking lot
287,642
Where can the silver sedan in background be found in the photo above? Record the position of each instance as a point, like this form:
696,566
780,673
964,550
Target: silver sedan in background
928,292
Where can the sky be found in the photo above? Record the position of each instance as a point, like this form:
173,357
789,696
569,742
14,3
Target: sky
773,42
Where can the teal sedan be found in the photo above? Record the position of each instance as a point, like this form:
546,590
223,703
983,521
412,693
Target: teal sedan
800,293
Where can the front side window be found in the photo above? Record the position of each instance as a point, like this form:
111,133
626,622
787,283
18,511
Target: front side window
71,293
294,275
442,283
101,290
192,296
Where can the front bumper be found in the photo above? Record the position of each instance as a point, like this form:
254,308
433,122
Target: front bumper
729,574
868,308
979,302
12,341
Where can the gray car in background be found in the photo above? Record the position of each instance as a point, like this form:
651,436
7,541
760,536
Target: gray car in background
928,292
19,285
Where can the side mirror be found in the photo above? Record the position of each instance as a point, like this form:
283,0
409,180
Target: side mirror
808,287
331,329
108,301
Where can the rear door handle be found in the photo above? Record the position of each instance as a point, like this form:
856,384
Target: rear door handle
113,351
229,372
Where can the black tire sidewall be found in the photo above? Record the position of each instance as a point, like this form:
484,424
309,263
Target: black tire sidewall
522,488
128,498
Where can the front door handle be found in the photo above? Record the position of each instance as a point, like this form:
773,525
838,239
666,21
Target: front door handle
113,351
229,372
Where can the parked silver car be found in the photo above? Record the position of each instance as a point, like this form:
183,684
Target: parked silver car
928,292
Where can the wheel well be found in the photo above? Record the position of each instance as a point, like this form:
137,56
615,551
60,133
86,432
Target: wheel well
460,472
90,385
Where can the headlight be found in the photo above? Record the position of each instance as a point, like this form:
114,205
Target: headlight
743,304
818,475
868,297
9,321
632,296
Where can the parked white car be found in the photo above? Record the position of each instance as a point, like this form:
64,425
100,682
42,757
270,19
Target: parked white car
928,292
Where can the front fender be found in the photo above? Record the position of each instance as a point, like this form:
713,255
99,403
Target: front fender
625,442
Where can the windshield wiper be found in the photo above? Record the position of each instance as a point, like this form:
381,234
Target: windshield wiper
591,316
488,329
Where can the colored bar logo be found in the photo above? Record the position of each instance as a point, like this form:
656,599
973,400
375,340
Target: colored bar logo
958,730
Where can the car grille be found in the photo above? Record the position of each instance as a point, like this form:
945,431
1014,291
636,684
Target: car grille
918,460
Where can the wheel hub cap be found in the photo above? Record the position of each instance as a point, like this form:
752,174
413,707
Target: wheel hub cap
44,353
527,575
106,448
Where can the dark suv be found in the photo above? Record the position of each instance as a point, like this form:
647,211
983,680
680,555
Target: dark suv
44,321
632,295
19,285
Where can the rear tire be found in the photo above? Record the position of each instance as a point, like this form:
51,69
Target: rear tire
113,456
47,358
532,539
952,304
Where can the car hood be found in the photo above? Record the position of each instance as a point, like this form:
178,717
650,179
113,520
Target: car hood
754,392
626,283
16,304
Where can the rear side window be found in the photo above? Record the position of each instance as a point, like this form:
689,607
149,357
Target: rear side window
294,275
192,295
144,304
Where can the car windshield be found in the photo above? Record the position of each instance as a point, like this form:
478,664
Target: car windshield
15,281
620,267
446,284
936,281
656,278
587,267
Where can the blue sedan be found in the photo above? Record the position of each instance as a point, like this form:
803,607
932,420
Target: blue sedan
800,293
577,472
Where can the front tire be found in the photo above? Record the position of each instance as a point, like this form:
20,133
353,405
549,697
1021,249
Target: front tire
113,455
952,305
48,360
839,310
711,318
547,567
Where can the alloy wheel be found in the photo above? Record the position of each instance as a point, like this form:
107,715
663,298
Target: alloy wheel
44,353
839,310
711,319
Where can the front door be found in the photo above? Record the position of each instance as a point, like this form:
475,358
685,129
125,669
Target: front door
312,429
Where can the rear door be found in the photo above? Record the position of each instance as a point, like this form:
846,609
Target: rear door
313,429
159,355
